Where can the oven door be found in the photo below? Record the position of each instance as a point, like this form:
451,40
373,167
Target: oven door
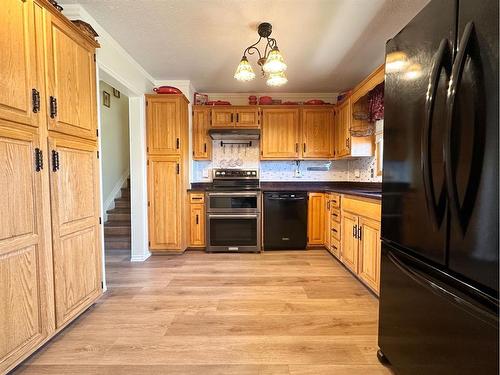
240,202
233,232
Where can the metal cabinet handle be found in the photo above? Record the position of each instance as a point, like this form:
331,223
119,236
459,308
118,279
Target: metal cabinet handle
177,143
197,219
355,231
237,117
55,161
296,147
304,148
53,107
35,97
38,159
328,205
359,233
204,147
231,118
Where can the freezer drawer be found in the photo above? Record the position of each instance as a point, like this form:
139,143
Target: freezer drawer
429,327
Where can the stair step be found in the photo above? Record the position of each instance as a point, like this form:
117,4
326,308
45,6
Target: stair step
122,203
119,210
125,192
117,245
119,217
116,230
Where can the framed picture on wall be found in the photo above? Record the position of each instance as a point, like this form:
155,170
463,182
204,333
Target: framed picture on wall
116,93
200,98
106,99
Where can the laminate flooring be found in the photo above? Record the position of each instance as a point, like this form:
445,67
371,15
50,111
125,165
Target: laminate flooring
287,312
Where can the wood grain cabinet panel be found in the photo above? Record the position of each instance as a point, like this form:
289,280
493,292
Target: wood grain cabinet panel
26,294
164,125
316,219
202,143
74,179
349,249
247,117
317,133
197,225
344,128
165,202
19,66
223,117
71,93
369,252
280,136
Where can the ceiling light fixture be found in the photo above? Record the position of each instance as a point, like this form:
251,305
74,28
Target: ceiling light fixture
270,62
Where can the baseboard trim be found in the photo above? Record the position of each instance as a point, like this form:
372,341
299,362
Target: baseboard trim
140,258
109,203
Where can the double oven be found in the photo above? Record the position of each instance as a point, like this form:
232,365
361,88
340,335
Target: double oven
234,212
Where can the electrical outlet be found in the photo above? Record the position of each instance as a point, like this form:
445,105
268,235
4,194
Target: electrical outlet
357,174
205,173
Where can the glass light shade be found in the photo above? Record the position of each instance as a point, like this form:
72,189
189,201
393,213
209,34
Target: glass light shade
274,62
244,71
277,79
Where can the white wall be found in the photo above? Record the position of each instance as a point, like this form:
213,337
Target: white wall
115,144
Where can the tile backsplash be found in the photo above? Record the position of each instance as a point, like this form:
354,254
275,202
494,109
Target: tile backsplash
234,156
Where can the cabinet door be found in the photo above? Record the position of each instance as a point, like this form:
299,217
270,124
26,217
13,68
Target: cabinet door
74,180
202,144
316,219
349,249
317,133
369,252
247,117
71,88
280,133
19,60
163,124
337,133
165,203
223,117
328,204
26,295
197,225
344,141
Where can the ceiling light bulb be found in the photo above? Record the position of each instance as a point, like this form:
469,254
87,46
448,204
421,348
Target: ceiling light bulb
277,79
244,71
274,62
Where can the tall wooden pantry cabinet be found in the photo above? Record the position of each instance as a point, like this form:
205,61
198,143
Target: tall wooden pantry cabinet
168,163
50,250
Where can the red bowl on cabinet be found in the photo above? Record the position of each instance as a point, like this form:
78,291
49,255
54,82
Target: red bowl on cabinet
167,90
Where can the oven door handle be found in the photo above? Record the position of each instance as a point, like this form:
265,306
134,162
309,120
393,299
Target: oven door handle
233,216
239,194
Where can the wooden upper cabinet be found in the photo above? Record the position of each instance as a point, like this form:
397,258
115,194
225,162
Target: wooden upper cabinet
165,202
202,143
316,219
20,65
349,248
344,128
223,117
26,284
369,252
165,121
317,133
71,89
247,117
280,136
74,180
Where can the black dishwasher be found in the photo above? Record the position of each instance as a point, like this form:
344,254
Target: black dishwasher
285,220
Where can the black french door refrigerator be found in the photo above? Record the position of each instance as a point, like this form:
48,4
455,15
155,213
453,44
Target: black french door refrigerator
440,227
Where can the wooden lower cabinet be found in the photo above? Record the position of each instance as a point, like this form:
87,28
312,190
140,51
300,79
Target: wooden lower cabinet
369,252
74,180
26,282
349,250
196,220
316,219
165,200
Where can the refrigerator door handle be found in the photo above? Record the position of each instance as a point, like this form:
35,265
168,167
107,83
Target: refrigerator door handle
463,212
425,282
441,60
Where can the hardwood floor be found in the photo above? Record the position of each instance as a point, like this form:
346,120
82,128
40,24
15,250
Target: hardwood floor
291,313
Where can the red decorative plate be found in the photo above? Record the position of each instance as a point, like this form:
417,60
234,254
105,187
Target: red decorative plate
218,102
314,102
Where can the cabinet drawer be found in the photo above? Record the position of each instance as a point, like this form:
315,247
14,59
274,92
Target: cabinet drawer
335,229
362,207
335,215
196,197
335,200
335,247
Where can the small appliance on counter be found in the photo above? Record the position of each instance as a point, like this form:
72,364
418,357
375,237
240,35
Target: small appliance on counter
285,220
233,211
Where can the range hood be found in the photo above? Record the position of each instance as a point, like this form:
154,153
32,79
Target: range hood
234,134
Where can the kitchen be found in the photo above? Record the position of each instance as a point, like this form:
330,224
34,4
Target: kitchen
291,211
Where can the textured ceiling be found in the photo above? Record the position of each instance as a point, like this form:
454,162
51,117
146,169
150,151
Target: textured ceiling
329,45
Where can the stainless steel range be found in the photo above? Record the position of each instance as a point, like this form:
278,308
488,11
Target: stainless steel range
234,211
